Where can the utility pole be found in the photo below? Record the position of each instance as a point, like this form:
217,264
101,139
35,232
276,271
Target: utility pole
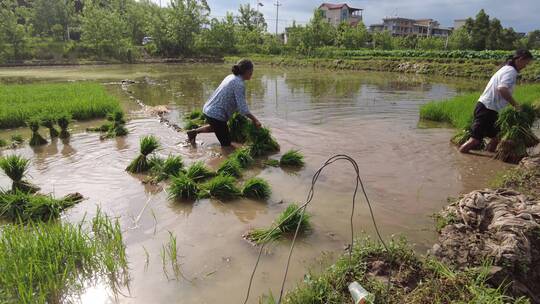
277,4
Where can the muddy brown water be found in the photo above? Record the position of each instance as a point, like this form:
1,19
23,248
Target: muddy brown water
409,172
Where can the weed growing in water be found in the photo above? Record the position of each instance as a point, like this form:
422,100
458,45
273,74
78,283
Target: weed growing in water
221,187
16,167
199,172
36,139
292,158
230,167
148,144
183,188
286,223
257,188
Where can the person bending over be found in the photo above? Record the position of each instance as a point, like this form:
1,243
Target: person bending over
228,98
496,96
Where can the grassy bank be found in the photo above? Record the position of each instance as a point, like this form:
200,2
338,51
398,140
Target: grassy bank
458,111
54,262
82,101
413,279
442,66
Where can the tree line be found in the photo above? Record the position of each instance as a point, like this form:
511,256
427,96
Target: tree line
115,29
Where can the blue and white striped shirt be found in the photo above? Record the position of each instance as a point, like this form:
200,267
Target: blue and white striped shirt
228,98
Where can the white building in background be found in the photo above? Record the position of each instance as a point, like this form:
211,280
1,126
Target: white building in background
398,26
335,14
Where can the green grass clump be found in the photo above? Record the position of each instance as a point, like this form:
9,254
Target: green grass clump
516,134
183,188
48,121
243,157
239,128
221,187
257,188
63,122
16,168
148,144
163,169
293,158
262,142
22,206
36,139
286,223
230,167
54,262
199,172
82,100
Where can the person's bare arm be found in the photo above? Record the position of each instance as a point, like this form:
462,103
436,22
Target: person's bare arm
505,93
254,119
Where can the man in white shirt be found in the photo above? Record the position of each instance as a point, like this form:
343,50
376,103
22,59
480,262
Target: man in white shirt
496,96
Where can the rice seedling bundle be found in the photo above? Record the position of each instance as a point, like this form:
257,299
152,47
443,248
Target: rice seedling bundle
63,122
199,172
261,142
103,128
17,139
53,262
243,157
239,128
256,188
272,163
230,167
221,187
196,114
3,143
183,187
82,100
36,139
117,125
48,121
16,167
163,169
18,205
461,137
148,144
286,223
293,158
194,120
516,134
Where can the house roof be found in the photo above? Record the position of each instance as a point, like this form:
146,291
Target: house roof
333,6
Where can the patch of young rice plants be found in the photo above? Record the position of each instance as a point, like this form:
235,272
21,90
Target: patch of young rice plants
82,100
148,144
221,187
199,172
293,158
25,207
36,139
16,167
286,223
53,262
183,188
257,188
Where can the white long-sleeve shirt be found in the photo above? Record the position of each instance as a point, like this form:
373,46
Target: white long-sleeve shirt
228,98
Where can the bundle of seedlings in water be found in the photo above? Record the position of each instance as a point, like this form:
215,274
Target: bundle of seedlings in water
164,169
272,163
48,121
16,167
17,139
199,172
63,121
461,137
243,157
3,143
286,223
239,127
148,144
18,205
261,142
117,124
36,139
194,120
220,187
293,158
183,188
257,188
516,134
230,167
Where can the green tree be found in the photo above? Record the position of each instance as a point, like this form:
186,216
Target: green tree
494,40
249,19
49,16
15,30
460,40
382,40
533,40
480,31
431,43
219,38
352,37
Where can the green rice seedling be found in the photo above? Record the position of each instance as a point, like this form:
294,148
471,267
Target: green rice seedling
148,144
272,163
3,143
257,188
221,187
199,172
116,117
36,139
183,188
17,139
243,157
292,158
48,121
22,206
171,252
516,134
63,121
170,167
103,128
192,125
16,167
230,167
262,142
239,128
286,223
117,125
54,262
461,137
194,115
194,120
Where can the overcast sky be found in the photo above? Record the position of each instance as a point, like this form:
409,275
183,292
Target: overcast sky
522,15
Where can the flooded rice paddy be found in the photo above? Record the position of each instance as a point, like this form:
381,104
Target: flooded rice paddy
409,171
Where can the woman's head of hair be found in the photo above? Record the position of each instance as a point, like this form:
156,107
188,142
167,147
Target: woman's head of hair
520,59
243,68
